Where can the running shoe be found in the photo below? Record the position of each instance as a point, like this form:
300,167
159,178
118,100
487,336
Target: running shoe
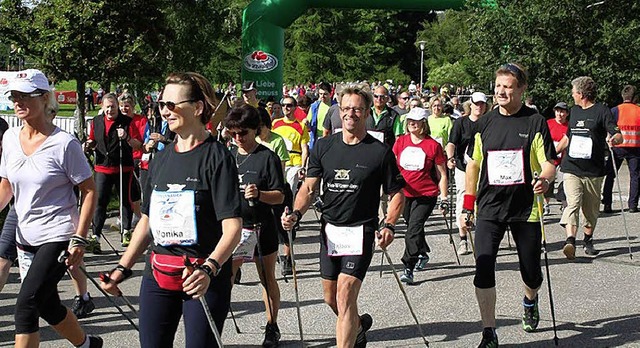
422,262
569,250
531,317
463,248
238,277
407,276
489,338
82,308
546,209
589,249
365,324
287,268
94,246
126,238
95,342
271,335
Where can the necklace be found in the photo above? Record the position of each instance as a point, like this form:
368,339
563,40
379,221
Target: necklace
238,164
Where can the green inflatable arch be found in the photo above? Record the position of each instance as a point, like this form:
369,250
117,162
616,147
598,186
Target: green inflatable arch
264,22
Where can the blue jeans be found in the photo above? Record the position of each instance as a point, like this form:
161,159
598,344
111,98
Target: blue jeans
160,312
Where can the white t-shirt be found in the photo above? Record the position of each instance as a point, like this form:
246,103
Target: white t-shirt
42,185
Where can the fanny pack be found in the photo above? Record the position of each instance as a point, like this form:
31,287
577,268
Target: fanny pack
167,270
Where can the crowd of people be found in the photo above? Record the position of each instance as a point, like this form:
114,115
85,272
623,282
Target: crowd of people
205,198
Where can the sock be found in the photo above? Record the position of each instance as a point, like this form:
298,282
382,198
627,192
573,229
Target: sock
86,343
527,302
86,297
464,238
587,238
571,240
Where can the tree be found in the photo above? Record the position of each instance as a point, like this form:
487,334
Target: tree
448,73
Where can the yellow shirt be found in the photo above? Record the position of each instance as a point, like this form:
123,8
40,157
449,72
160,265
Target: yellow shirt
295,136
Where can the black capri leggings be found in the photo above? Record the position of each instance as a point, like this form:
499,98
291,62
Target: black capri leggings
528,241
38,294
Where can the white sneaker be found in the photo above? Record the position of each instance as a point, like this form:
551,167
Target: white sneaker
463,248
546,210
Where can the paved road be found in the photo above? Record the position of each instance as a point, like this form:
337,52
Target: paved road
596,299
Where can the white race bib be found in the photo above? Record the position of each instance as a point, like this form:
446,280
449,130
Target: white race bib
172,217
580,147
555,145
344,241
25,259
376,134
505,167
248,241
412,158
146,157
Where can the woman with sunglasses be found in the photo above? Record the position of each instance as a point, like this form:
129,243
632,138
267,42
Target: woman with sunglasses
418,155
262,184
41,164
192,208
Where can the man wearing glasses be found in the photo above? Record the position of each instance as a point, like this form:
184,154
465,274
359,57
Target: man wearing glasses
353,167
384,123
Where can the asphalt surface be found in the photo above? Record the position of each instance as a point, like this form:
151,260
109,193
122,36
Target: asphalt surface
596,299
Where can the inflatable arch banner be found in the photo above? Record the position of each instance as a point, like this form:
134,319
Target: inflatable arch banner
264,22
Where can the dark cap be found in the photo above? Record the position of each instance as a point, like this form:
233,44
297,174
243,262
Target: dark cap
561,105
248,86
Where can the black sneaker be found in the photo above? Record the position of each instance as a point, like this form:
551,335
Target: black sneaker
287,268
531,317
95,342
489,338
365,323
607,209
82,308
271,335
238,277
589,249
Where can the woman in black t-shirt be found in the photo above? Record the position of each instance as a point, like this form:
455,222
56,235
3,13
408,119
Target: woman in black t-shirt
192,209
262,184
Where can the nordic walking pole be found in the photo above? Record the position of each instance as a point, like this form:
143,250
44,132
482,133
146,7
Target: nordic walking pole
509,237
469,222
205,307
233,318
445,206
404,293
381,264
295,277
110,245
104,277
120,195
546,262
624,219
63,257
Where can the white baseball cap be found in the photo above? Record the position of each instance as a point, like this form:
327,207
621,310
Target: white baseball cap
478,97
28,81
417,114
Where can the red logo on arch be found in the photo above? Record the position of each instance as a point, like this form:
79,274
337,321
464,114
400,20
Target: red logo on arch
259,55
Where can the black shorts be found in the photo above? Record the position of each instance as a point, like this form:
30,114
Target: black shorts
136,192
357,266
268,241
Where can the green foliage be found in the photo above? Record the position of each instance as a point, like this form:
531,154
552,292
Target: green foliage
453,74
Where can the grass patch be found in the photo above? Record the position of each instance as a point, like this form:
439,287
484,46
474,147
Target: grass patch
66,110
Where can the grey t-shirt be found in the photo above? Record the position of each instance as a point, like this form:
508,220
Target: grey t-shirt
332,121
42,184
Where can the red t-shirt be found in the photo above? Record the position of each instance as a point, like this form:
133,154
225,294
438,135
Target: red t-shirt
557,131
416,162
137,128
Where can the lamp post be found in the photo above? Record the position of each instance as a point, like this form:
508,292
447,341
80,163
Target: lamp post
421,44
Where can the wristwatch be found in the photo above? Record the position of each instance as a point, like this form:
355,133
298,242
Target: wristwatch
389,226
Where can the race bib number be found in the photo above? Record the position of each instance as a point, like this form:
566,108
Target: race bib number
344,241
580,147
172,217
412,158
145,157
25,259
248,241
377,135
505,167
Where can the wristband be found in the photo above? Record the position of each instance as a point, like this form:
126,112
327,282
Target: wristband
126,273
469,202
206,269
78,241
298,215
388,226
216,265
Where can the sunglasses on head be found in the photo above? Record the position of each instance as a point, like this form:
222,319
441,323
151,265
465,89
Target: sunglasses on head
515,70
240,133
172,105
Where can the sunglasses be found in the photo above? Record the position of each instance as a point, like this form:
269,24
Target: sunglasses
16,97
516,71
379,96
287,105
240,133
404,98
172,105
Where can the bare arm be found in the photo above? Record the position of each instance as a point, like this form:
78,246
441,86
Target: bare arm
302,201
89,200
562,144
443,183
450,150
305,155
6,193
471,177
231,233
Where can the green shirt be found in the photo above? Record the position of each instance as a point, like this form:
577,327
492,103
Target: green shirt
440,128
276,144
322,113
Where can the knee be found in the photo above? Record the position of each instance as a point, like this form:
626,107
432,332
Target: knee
26,314
330,300
485,276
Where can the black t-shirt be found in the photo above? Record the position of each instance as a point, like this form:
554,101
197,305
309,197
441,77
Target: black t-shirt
352,176
510,149
587,134
207,173
263,168
461,136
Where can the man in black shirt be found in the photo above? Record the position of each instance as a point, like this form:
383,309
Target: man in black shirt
584,165
353,167
512,142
